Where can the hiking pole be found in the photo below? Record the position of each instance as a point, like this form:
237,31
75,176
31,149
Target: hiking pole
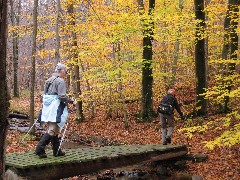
28,132
62,138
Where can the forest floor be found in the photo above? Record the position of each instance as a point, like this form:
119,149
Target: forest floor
223,163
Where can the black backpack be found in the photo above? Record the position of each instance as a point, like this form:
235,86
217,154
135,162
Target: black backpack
166,107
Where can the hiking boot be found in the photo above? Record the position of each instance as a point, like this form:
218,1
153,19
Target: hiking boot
168,140
44,141
44,155
60,153
164,143
55,145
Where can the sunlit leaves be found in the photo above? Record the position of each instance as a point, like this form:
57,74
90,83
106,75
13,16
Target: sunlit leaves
228,138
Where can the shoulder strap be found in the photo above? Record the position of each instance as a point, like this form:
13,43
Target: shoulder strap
49,84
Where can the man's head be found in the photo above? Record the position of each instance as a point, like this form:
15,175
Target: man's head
172,91
61,69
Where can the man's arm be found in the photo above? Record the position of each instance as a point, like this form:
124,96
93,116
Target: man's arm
62,92
177,107
45,89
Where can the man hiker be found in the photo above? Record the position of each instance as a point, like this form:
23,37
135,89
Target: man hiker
54,111
166,112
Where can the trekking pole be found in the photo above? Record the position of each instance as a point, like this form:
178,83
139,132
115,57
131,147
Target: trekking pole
28,132
62,138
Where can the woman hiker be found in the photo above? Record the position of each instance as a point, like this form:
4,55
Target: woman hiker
54,111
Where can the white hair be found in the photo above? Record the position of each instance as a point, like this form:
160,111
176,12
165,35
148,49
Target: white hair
60,67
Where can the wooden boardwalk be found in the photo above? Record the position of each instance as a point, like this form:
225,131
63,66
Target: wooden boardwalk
86,160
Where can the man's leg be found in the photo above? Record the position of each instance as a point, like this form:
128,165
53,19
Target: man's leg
54,130
44,141
163,128
170,120
55,145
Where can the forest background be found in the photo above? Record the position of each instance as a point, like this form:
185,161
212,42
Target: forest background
112,46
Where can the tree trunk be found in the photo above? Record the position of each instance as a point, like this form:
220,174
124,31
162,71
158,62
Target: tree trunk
147,79
57,53
92,104
117,56
200,63
33,66
230,46
76,75
77,94
4,104
15,22
207,2
166,64
176,52
110,103
124,107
